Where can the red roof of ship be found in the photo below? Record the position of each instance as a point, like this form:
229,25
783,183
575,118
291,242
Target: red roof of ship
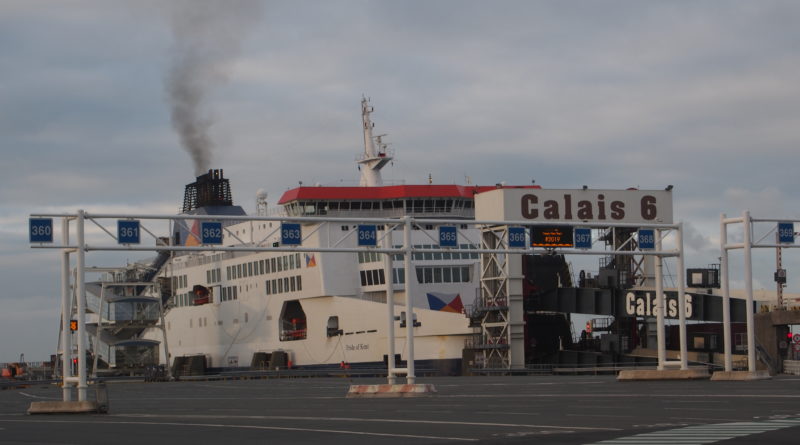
389,192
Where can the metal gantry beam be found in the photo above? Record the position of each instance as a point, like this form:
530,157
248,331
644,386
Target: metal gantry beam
747,245
493,249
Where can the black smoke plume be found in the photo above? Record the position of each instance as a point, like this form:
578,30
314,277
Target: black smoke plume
207,40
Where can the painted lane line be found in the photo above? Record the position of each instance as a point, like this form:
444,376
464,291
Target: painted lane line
366,419
251,427
33,396
702,434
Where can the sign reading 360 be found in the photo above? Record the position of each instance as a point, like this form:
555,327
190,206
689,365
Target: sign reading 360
40,230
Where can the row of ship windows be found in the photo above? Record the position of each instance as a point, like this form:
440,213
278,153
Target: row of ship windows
262,267
286,284
179,281
411,205
425,275
371,257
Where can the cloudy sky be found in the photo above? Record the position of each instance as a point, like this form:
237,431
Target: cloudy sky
703,95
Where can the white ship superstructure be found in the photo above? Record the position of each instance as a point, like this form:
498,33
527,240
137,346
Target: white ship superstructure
322,308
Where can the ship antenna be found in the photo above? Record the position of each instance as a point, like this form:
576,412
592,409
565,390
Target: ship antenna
372,160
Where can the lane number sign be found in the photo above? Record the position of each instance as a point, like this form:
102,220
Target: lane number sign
40,230
291,234
128,232
367,235
583,238
211,232
448,237
786,233
647,239
516,237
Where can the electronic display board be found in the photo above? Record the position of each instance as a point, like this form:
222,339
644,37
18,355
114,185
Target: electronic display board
552,236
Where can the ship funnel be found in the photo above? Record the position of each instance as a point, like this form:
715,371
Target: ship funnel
209,190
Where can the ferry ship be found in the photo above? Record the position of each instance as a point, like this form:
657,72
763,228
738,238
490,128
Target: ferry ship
272,309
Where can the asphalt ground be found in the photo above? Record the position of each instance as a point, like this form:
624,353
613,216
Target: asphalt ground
492,410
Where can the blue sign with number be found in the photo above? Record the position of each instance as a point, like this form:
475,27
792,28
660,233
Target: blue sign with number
367,235
583,238
647,239
211,232
128,232
786,233
291,234
40,230
448,236
516,237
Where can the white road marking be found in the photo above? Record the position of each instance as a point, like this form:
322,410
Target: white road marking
367,419
702,434
251,427
37,397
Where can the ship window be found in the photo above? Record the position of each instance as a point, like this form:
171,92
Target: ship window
235,293
440,205
291,284
286,284
297,260
333,205
363,277
387,205
399,276
428,255
370,282
275,287
456,275
272,262
446,255
249,269
366,205
468,204
299,283
446,275
261,267
280,264
267,288
465,274
429,205
355,205
437,256
291,262
285,263
437,274
280,285
381,276
448,205
238,271
208,276
344,205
